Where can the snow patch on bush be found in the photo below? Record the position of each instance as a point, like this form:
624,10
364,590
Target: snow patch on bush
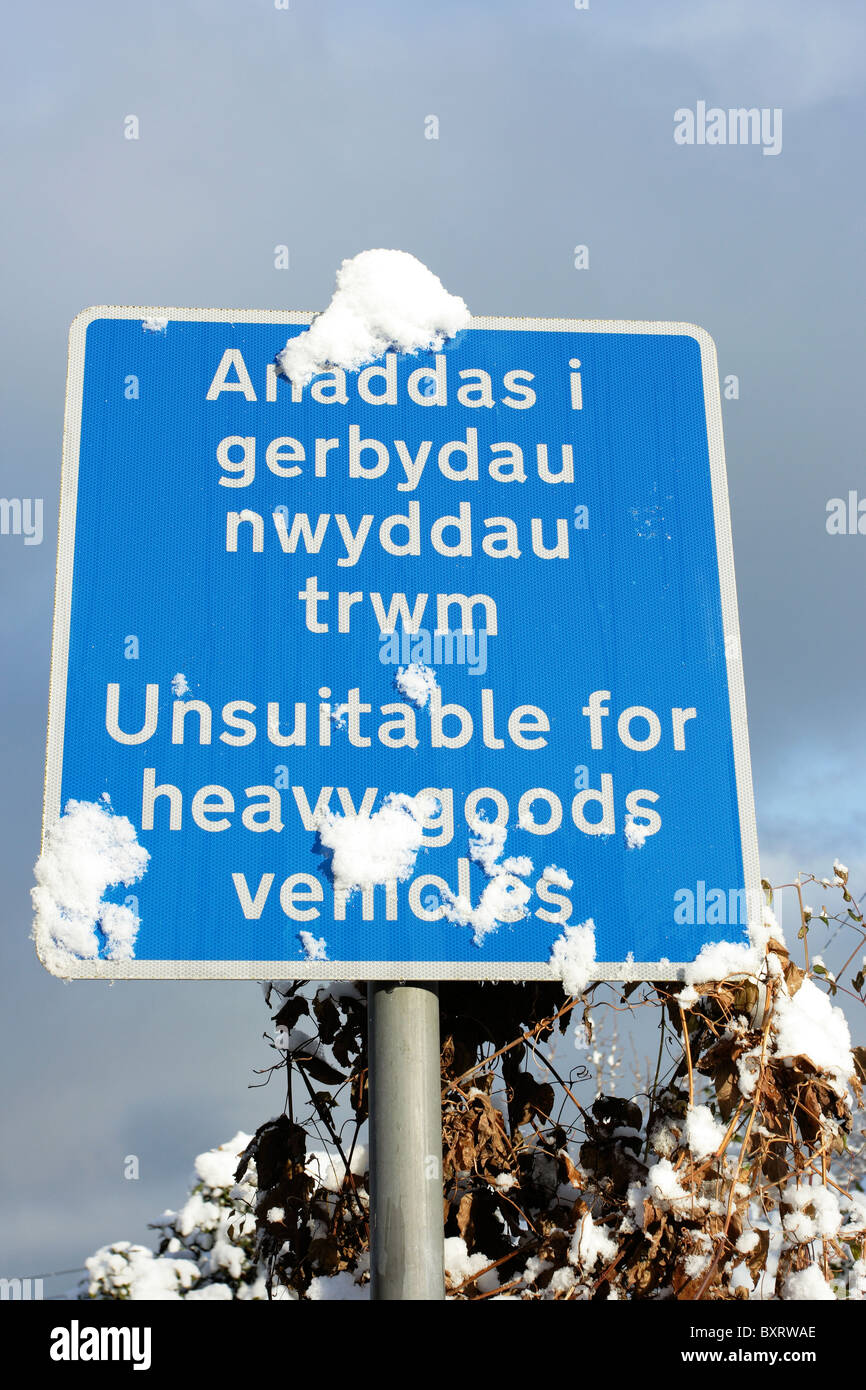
723,960
807,1024
329,1171
460,1266
336,1288
589,1244
812,1211
133,1272
216,1168
704,1134
807,1285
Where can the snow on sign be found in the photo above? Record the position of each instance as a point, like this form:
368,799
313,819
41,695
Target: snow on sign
424,670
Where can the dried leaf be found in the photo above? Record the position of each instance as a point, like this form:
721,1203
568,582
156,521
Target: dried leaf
324,1255
530,1099
465,1224
320,1070
327,1017
572,1173
756,1260
794,977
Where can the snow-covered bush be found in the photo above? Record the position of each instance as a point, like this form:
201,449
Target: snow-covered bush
207,1249
736,1171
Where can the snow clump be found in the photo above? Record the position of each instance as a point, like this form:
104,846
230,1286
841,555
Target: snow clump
573,956
635,834
315,948
807,1024
704,1134
384,299
417,682
379,848
807,1286
460,1266
590,1244
811,1211
88,850
505,897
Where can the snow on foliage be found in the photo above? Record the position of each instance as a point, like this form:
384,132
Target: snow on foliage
807,1285
703,1133
216,1168
722,960
207,1249
664,1187
807,1024
810,1210
384,299
731,1176
329,1170
125,1271
736,1174
460,1266
591,1244
336,1288
87,851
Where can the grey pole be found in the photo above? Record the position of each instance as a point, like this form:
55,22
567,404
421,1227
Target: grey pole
406,1227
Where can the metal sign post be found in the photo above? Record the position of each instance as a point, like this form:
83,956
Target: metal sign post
405,1142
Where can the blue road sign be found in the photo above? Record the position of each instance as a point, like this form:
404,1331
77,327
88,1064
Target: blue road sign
538,514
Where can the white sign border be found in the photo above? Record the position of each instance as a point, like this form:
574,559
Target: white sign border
517,971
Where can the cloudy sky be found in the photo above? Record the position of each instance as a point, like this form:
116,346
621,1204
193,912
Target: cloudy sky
305,126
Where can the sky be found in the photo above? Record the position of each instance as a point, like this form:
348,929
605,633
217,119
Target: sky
306,126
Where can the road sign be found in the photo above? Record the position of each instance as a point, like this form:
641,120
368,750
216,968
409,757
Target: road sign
537,514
